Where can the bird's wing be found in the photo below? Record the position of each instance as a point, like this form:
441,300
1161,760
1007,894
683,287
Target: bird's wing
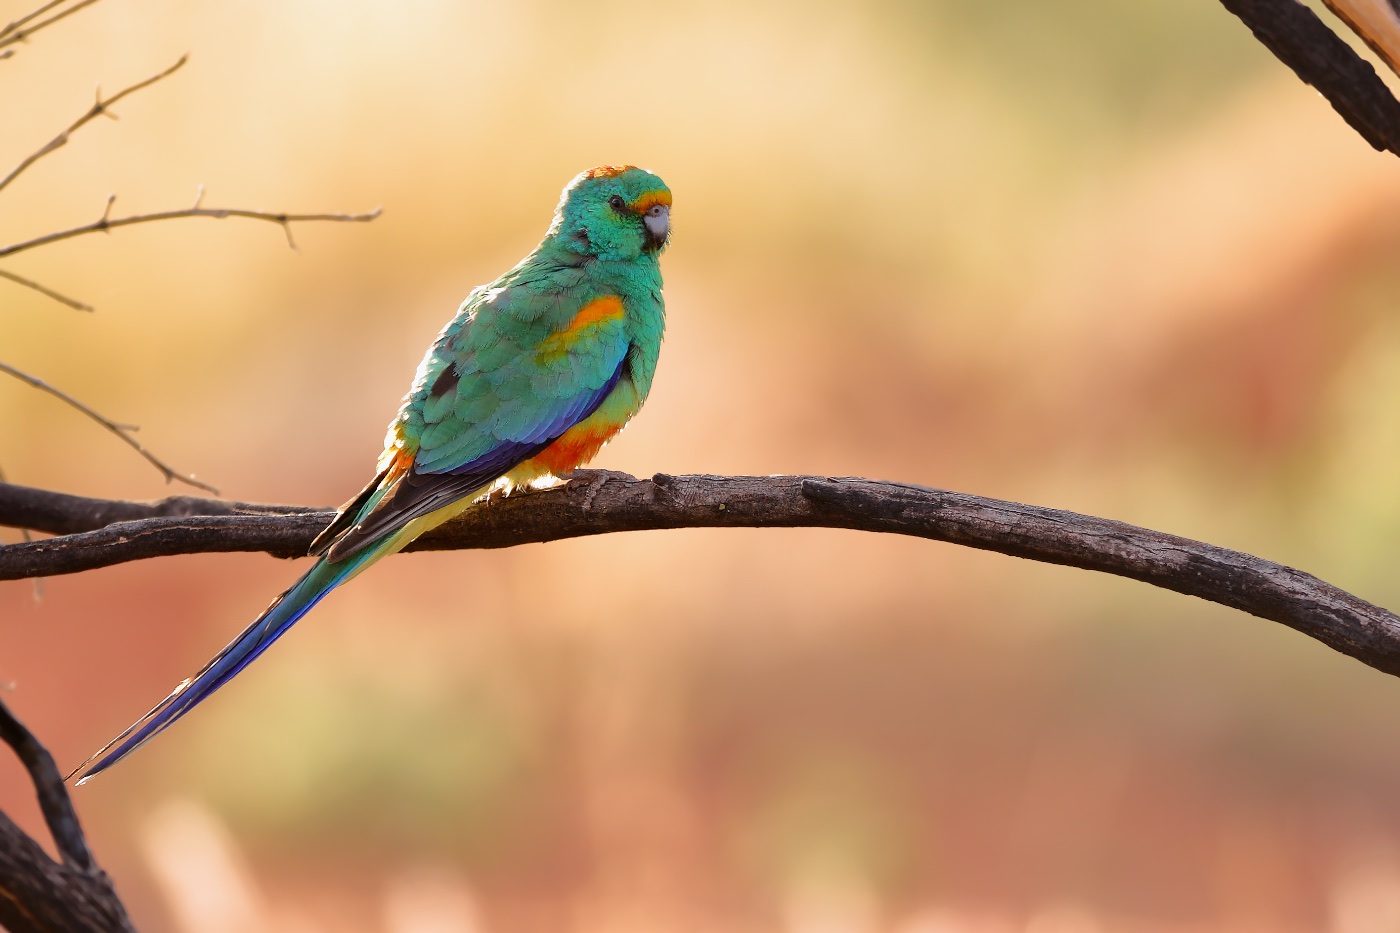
491,393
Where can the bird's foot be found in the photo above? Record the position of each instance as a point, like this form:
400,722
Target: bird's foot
494,495
596,480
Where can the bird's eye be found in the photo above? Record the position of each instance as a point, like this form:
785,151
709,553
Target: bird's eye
617,202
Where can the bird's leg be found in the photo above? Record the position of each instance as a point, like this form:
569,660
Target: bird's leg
596,480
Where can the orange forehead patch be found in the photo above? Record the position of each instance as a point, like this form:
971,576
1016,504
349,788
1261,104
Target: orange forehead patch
649,200
607,171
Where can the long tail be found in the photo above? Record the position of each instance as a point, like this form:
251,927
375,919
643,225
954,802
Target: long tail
242,651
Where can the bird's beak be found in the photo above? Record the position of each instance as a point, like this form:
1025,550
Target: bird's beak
657,220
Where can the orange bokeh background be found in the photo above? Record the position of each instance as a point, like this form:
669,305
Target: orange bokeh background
1095,255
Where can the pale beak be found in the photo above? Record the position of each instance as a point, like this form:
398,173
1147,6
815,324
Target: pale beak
657,220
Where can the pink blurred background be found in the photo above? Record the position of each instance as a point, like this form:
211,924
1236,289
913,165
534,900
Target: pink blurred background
1096,255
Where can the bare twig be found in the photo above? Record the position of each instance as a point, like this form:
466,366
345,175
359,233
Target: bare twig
1319,57
17,31
106,222
99,108
1260,587
29,17
46,292
122,431
37,894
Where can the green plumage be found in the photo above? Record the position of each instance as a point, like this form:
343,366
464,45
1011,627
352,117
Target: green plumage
533,374
504,391
497,384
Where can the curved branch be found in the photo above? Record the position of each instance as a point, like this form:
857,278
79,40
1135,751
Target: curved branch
189,525
38,894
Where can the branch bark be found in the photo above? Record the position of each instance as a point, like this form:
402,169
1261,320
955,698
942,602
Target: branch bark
37,894
99,533
1319,57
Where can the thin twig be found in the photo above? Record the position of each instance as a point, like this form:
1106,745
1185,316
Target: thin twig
1251,584
30,16
98,108
16,32
106,222
45,291
122,431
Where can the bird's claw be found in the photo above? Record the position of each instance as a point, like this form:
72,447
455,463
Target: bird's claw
596,480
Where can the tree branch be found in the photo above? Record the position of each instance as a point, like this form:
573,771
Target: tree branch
188,525
1319,57
106,222
17,31
46,292
98,108
37,894
29,17
122,431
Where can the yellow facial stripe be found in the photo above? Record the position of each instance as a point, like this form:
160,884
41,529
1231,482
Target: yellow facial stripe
649,200
599,311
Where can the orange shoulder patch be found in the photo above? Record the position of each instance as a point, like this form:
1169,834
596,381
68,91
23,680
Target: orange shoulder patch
598,311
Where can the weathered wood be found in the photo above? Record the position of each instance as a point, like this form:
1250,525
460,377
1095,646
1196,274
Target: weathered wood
37,894
1317,55
1251,584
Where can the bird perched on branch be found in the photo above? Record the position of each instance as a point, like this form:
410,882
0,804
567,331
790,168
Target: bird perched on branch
537,371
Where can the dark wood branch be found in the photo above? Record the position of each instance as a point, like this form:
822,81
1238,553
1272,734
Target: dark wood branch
58,513
37,894
190,525
1321,58
57,808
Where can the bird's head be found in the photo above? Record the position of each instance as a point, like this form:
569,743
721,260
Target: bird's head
614,212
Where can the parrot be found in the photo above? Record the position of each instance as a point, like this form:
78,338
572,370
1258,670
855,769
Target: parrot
532,376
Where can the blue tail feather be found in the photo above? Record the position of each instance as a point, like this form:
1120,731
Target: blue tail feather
242,651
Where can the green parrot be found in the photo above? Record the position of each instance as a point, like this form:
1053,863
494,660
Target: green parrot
535,373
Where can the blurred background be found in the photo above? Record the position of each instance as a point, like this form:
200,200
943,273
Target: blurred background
1099,255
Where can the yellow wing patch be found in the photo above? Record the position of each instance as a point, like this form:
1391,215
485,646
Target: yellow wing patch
597,312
